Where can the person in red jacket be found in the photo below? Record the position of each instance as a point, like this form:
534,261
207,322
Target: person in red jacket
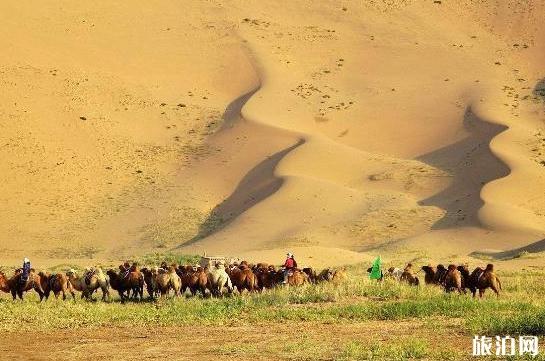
289,266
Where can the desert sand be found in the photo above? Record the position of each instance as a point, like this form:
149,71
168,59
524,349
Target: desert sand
339,131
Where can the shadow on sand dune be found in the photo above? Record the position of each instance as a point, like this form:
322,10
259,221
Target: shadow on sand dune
536,247
258,184
232,112
471,164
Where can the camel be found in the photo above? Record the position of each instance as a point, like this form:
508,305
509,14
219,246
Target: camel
410,278
17,286
149,280
218,279
453,279
466,278
394,273
266,277
483,279
89,282
311,273
193,279
295,277
133,281
440,274
4,286
430,274
57,283
243,278
326,275
339,276
165,280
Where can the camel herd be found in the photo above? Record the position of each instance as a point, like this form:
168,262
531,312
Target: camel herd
130,280
451,278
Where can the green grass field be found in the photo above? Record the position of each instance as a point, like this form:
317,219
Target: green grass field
519,310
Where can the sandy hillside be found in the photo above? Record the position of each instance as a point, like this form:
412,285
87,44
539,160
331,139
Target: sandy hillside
410,129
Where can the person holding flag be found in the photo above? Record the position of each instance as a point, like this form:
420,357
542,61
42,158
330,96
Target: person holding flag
375,272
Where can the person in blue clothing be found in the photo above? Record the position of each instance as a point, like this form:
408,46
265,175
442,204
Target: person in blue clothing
26,270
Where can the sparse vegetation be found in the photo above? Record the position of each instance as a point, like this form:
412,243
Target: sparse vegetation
356,304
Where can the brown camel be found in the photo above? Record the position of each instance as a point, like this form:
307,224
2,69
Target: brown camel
89,282
339,276
266,277
429,275
326,275
57,283
17,286
193,279
311,273
165,280
410,278
149,280
453,279
440,274
132,281
243,278
4,286
466,277
483,279
295,278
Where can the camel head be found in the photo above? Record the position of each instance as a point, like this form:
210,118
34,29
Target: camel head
71,273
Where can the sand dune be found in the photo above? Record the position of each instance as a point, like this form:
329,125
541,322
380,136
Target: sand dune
408,129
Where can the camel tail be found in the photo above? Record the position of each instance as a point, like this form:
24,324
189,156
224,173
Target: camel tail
499,283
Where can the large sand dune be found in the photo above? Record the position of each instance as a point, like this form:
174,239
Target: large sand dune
410,129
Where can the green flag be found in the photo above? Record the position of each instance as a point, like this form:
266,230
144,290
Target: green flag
375,270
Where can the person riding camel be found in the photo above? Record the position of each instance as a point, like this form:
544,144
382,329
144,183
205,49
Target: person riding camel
289,266
26,270
124,269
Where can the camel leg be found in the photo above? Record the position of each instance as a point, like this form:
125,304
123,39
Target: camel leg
40,293
20,294
14,294
495,290
105,293
481,293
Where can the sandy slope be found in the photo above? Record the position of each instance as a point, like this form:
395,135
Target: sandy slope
409,129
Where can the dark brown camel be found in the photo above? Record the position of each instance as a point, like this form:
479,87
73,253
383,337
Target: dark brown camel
133,281
429,275
311,273
17,286
440,274
266,277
